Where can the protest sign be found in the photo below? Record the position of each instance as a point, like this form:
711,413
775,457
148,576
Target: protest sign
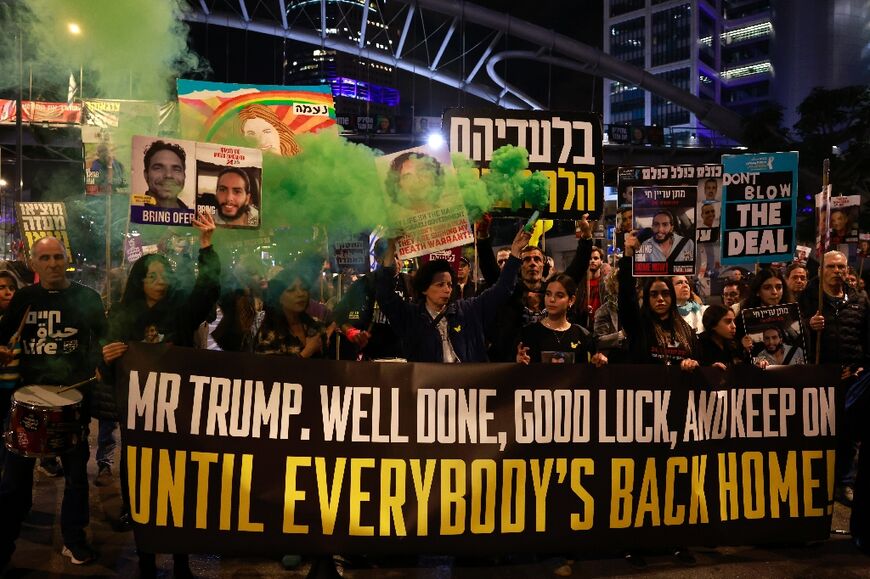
425,204
708,181
104,170
269,116
43,219
844,217
40,112
665,220
164,191
564,146
133,249
227,454
760,207
229,184
351,254
184,177
777,333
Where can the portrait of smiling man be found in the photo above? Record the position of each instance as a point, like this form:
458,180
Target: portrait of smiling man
165,165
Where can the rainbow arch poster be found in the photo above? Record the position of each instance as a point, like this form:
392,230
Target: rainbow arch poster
268,115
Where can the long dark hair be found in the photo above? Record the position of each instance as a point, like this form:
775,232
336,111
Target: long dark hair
134,291
682,332
275,319
752,300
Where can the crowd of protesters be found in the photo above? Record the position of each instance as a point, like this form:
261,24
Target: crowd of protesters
519,309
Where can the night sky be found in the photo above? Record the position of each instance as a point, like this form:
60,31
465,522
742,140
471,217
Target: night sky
248,57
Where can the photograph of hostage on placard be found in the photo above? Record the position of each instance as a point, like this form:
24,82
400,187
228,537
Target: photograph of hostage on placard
163,181
664,221
845,211
776,333
104,172
423,201
864,245
709,263
228,184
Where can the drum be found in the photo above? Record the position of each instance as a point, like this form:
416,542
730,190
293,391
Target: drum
44,422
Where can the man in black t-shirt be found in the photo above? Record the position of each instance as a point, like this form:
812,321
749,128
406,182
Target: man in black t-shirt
59,345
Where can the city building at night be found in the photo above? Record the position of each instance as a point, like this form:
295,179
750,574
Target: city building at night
742,54
360,87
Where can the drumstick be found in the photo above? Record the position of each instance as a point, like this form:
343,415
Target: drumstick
17,334
77,384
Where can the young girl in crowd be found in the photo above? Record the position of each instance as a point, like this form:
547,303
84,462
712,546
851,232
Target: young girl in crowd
768,288
555,339
656,332
153,300
718,347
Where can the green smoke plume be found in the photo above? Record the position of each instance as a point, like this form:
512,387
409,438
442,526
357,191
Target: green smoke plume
332,182
125,50
475,194
507,179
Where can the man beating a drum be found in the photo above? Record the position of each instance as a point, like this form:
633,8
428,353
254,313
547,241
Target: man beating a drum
60,345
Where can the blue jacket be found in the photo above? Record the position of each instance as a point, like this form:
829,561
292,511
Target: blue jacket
466,319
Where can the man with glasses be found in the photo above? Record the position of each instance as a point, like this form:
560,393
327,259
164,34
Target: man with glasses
796,279
731,294
842,328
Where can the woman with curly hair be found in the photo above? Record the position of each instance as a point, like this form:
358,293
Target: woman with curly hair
260,123
287,329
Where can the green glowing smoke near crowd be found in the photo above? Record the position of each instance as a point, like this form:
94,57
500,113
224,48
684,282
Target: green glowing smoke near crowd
120,49
127,49
332,182
507,179
475,195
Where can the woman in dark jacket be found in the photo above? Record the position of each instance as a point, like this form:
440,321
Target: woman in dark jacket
435,329
154,309
656,332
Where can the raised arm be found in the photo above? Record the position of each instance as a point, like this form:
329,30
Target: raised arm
487,303
629,311
580,264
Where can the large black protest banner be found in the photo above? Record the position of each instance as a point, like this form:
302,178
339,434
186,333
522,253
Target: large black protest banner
564,146
239,454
